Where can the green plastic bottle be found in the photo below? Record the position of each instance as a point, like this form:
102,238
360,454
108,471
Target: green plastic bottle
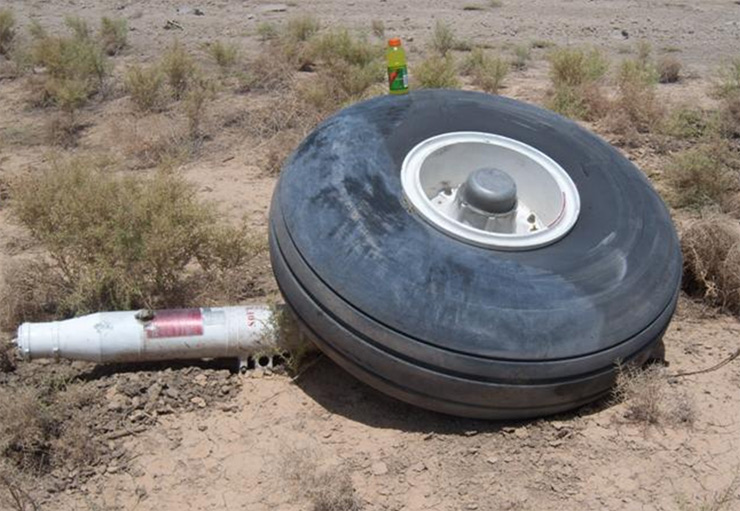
398,73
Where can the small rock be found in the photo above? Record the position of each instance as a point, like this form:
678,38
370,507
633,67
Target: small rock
172,24
419,467
201,380
556,443
112,469
379,468
172,393
202,427
137,415
471,432
198,12
229,407
472,505
492,460
198,401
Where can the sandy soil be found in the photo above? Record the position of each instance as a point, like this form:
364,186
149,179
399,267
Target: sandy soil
232,452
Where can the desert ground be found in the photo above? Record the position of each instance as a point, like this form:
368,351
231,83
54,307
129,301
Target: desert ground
200,436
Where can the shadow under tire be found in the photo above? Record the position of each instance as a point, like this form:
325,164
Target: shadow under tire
453,326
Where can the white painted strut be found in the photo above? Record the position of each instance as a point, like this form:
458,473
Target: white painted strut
131,336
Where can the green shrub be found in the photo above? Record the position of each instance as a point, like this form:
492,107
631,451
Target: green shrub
636,107
704,175
178,68
437,72
113,35
75,67
574,67
576,75
340,46
7,30
690,123
488,72
123,242
145,86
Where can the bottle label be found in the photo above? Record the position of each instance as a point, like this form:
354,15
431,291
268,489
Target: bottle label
398,78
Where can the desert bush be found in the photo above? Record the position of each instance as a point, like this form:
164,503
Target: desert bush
576,75
669,69
649,400
26,429
7,30
145,85
201,91
729,115
704,175
443,38
690,123
13,495
728,78
301,28
122,242
179,68
378,28
636,107
113,34
224,55
273,71
711,251
487,71
437,72
79,27
324,488
522,54
353,63
575,67
71,64
267,31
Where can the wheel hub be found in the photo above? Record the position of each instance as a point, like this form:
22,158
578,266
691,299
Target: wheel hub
490,190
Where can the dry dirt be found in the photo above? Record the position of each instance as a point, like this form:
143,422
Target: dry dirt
198,437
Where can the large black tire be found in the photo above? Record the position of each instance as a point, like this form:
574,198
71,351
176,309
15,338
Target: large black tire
449,326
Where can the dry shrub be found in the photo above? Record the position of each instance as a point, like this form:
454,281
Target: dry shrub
301,28
123,242
155,141
690,123
378,28
705,174
277,150
650,400
636,108
62,131
7,357
352,64
487,71
443,38
26,429
13,496
324,488
728,79
669,69
7,30
267,31
200,93
145,85
576,75
711,250
179,68
436,72
272,70
522,55
729,115
223,54
113,35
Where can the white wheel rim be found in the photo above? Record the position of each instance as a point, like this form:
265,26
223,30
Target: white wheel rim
548,200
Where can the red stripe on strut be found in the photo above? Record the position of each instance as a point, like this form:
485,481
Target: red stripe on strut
175,323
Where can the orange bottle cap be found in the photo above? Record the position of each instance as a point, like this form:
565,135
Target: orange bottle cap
396,41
